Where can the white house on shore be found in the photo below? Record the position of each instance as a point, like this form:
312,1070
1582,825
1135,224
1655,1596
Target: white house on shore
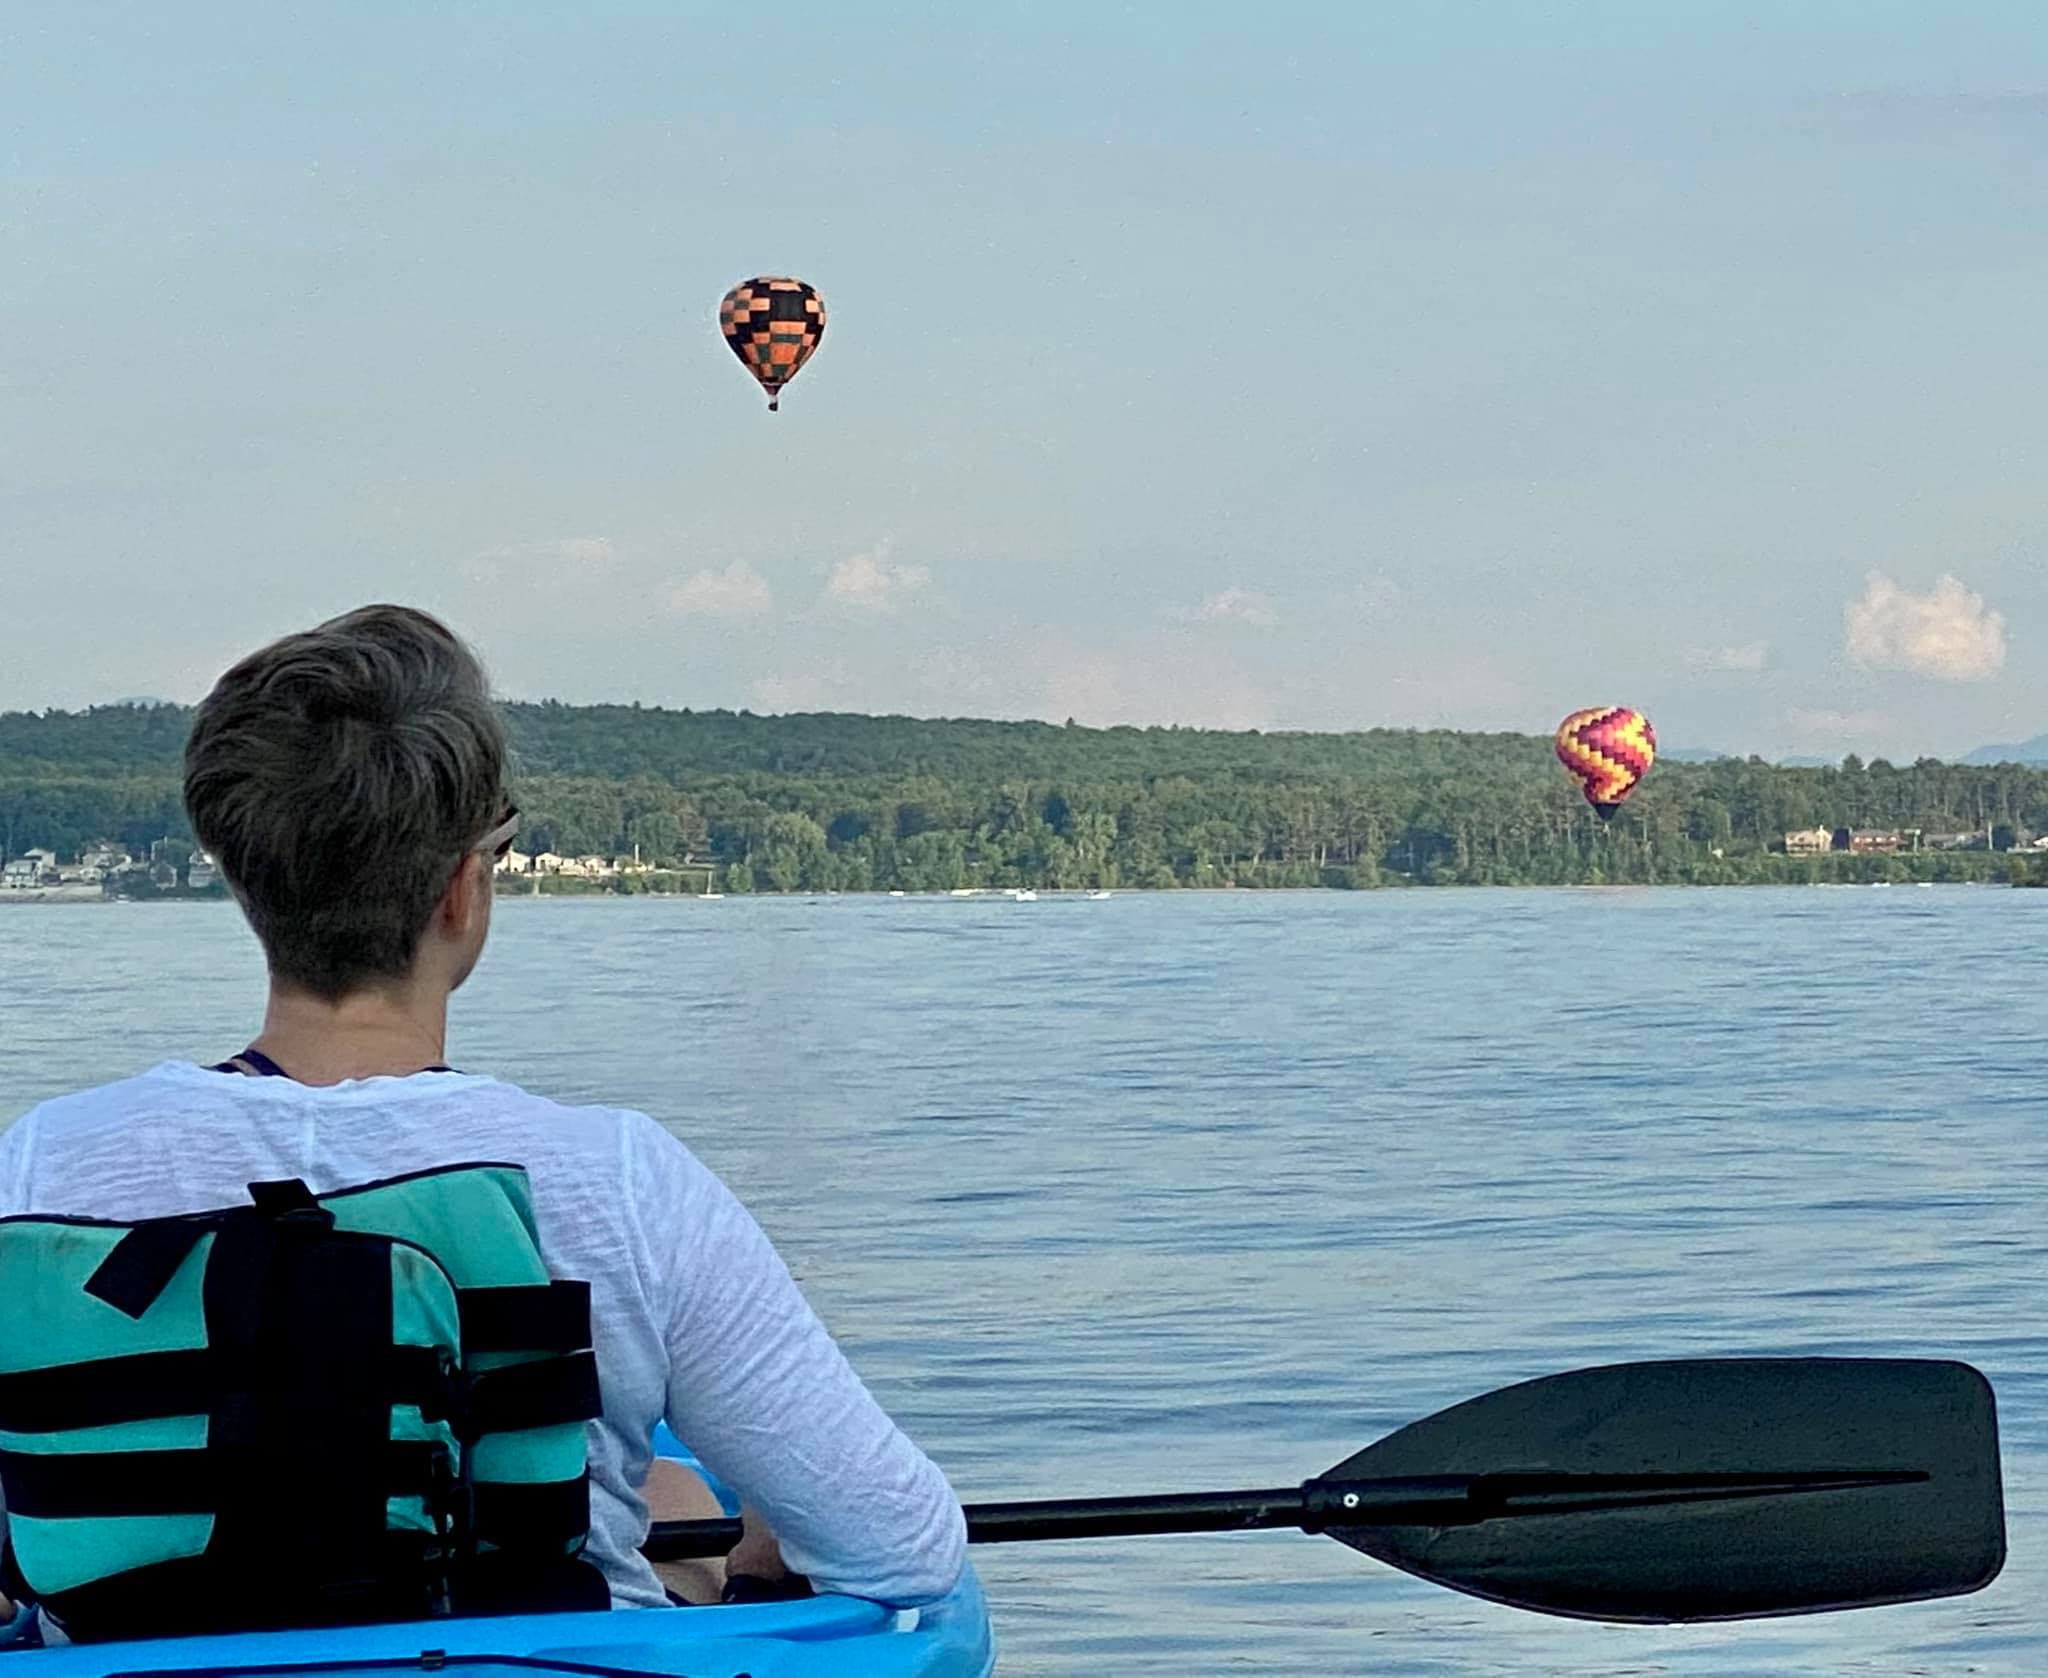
103,858
570,867
29,871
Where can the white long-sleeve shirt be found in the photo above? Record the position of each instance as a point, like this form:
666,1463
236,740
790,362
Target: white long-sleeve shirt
695,1317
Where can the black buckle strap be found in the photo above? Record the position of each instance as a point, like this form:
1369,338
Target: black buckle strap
549,1317
144,1387
541,1394
547,1517
148,1386
200,1595
59,1485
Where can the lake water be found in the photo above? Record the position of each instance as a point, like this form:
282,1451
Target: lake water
1191,1191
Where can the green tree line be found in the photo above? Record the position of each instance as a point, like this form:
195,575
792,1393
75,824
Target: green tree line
855,803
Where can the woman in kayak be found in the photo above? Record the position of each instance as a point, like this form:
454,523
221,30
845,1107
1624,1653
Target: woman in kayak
349,782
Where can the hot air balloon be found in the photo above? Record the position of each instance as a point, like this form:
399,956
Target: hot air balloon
773,326
1609,749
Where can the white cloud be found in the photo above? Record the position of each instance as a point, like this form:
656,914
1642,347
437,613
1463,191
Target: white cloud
1746,657
1945,634
736,592
568,556
1231,605
872,582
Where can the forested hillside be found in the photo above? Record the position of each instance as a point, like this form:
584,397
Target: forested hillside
842,802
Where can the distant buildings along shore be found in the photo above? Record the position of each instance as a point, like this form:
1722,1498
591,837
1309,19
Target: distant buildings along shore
175,868
170,865
1896,841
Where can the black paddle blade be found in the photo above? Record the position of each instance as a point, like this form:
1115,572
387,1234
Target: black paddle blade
1711,1489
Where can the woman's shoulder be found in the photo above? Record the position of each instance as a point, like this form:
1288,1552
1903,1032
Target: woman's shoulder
621,1144
167,1085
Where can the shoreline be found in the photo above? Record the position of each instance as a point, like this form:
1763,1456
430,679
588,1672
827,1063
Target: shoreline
98,894
999,894
55,894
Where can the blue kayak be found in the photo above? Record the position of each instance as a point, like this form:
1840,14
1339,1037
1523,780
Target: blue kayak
817,1637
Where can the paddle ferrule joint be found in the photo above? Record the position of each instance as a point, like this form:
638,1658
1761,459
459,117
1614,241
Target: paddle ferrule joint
1419,1500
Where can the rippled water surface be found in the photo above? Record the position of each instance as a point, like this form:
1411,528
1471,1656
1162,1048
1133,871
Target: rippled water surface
1183,1191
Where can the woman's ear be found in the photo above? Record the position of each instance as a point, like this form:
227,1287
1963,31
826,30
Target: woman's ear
467,896
482,872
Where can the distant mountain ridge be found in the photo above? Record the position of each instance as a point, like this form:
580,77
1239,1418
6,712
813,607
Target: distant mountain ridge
2033,752
146,736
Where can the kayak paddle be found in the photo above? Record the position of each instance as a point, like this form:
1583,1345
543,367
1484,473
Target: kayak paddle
1695,1489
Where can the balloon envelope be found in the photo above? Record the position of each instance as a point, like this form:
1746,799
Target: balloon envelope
1608,749
773,324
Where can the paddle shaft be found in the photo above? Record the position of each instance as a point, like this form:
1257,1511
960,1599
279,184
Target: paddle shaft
1307,1507
1420,1500
1293,1507
1075,1517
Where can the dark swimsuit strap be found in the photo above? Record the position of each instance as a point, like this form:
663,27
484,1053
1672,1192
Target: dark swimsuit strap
254,1063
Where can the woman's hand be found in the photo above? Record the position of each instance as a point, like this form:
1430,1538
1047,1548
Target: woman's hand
674,1493
757,1555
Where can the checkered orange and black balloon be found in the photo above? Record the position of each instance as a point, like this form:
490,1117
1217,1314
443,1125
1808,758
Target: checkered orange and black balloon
773,325
1609,749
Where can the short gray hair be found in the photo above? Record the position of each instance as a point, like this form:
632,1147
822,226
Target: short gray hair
338,778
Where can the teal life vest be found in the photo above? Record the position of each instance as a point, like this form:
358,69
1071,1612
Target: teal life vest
309,1410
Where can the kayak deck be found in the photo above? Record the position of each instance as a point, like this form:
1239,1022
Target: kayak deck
840,1636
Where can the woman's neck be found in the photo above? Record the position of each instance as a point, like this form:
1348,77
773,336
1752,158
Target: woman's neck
386,1033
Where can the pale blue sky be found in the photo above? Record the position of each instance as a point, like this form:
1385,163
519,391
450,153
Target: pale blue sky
1287,365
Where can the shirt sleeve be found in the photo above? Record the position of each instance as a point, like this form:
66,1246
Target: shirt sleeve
762,1394
14,1167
